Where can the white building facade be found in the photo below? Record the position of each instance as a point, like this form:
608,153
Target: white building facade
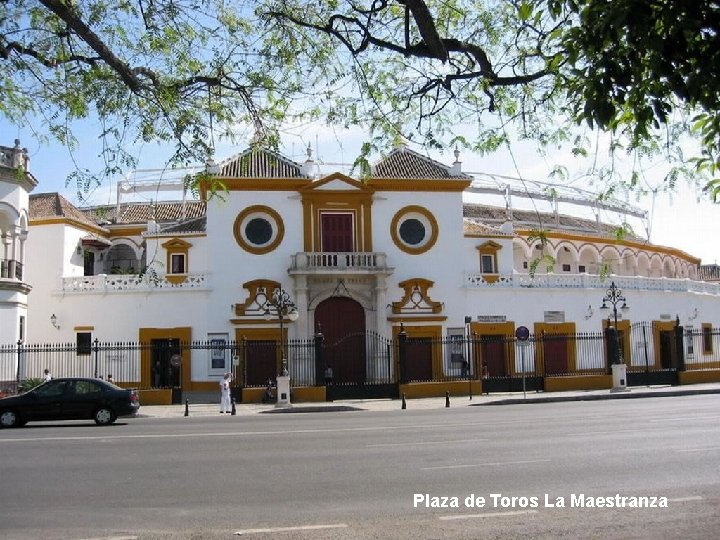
398,251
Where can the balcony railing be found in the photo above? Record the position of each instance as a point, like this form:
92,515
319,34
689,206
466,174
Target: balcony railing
345,262
130,283
590,281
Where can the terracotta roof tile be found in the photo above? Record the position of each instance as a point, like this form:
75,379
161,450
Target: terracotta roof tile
527,219
54,205
260,163
404,163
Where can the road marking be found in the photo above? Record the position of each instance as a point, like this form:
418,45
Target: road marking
684,418
244,433
491,464
488,515
424,443
686,499
707,449
289,529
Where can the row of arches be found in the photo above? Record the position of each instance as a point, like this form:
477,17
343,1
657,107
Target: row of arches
566,256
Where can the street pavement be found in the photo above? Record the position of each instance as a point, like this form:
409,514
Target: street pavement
246,409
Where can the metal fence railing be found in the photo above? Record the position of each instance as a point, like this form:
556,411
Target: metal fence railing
366,358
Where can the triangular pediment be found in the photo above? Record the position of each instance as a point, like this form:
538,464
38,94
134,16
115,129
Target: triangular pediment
337,182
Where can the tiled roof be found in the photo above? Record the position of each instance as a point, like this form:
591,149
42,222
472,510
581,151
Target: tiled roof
473,227
260,163
195,225
54,205
141,213
404,163
493,215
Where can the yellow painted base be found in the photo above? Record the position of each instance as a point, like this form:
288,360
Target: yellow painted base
579,382
438,389
161,396
700,376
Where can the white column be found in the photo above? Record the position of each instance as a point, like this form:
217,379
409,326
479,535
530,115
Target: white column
301,302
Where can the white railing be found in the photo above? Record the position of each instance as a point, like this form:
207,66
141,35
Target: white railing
339,261
105,283
589,281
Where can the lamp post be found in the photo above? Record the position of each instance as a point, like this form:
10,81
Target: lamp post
614,295
279,306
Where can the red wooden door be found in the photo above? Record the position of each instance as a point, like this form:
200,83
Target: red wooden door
555,354
493,355
337,232
342,323
418,365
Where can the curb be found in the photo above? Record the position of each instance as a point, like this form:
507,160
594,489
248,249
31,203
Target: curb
598,397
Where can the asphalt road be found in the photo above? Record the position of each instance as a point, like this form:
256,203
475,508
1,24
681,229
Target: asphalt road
372,474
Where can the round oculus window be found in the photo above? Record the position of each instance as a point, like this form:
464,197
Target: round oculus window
258,229
414,229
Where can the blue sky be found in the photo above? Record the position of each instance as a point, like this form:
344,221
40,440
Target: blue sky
685,220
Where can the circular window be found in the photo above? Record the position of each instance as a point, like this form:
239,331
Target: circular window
414,229
258,229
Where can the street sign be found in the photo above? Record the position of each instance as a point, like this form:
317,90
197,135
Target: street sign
522,333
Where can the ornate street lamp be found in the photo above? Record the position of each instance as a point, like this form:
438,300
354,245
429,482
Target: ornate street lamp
280,306
614,295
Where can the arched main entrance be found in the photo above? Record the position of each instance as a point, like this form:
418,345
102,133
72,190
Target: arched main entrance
342,323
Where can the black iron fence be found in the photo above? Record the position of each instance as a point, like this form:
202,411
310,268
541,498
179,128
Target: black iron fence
368,359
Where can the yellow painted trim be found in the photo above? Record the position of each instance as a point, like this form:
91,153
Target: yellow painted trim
71,222
417,318
624,327
699,376
645,247
308,394
116,232
253,287
259,184
657,327
357,201
434,232
706,345
279,228
410,287
184,335
480,329
160,396
434,332
567,328
392,184
172,247
83,328
438,389
207,386
259,334
578,382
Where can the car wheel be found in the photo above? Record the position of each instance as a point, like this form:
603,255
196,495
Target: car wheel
104,416
10,419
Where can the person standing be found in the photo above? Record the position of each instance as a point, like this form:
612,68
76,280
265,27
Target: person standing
225,394
47,375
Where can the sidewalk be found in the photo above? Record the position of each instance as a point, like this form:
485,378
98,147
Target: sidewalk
246,409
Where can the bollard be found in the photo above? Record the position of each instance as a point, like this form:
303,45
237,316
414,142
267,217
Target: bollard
187,407
404,405
232,411
447,399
